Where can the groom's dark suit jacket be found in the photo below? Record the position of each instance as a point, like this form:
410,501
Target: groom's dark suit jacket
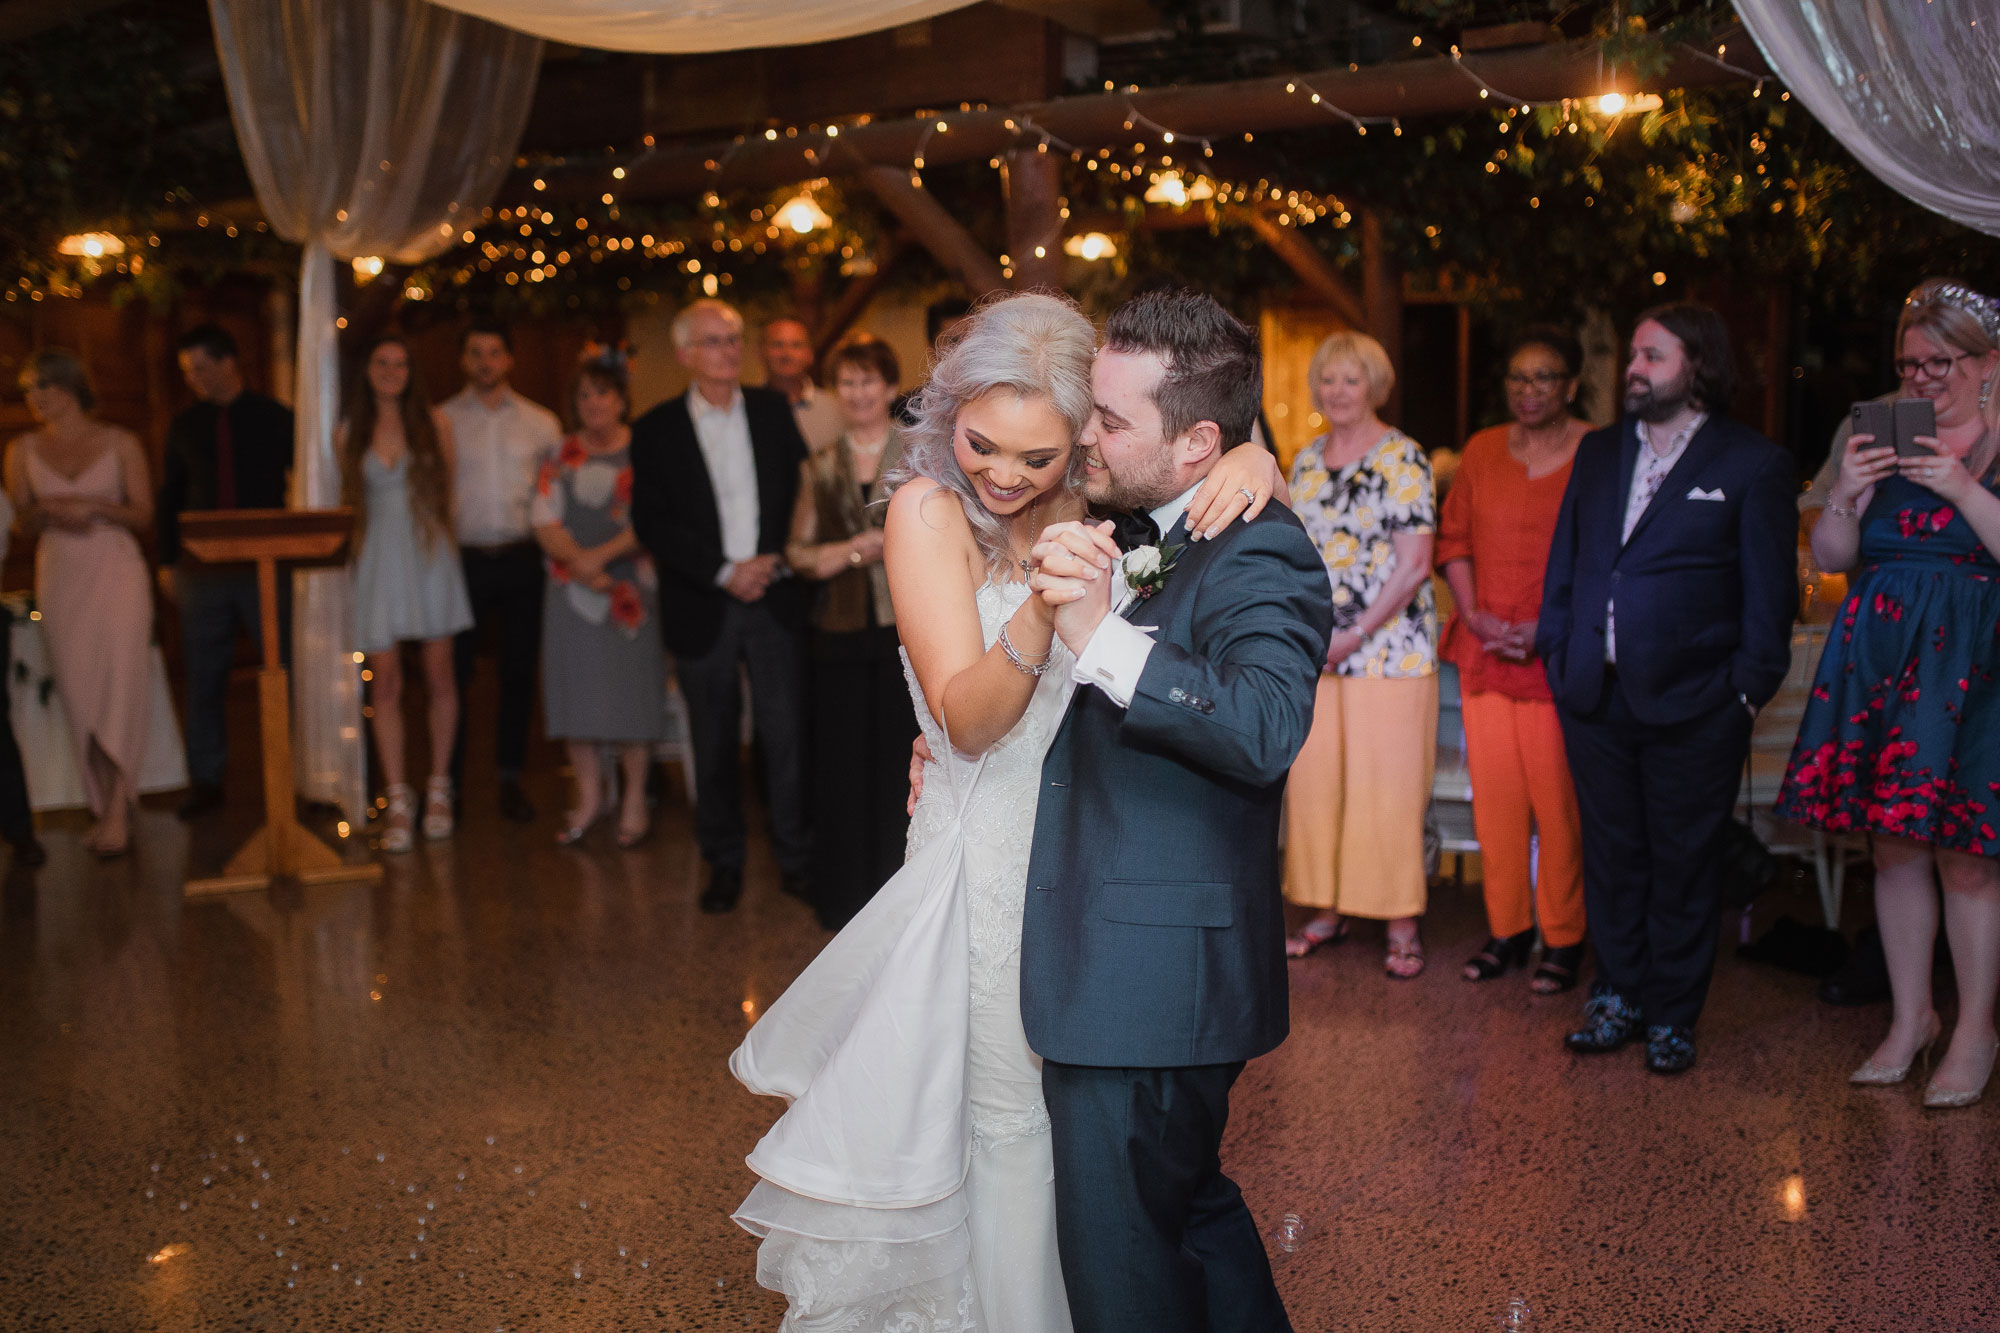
1154,930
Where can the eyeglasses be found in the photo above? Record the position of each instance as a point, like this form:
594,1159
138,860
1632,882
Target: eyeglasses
1930,367
1541,379
716,342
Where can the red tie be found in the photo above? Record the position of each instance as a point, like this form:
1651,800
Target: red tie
225,463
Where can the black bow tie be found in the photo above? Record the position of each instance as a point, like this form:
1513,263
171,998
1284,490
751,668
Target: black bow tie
1135,530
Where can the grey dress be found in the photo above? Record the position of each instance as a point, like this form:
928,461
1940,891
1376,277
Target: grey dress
404,589
603,669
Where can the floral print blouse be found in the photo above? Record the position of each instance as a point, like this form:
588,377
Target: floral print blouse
1353,516
591,495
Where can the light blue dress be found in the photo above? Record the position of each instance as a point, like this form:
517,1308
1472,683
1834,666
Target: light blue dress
403,589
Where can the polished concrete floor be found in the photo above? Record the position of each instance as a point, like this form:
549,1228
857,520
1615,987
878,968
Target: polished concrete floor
490,1093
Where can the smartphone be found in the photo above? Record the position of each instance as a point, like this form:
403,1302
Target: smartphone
1897,424
1914,417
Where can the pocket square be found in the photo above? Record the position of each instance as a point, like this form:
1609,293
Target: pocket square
1699,494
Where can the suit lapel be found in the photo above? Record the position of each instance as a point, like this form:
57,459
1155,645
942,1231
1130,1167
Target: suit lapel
1703,447
1628,464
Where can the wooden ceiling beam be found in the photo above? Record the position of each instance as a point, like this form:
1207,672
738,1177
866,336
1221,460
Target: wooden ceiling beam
1217,111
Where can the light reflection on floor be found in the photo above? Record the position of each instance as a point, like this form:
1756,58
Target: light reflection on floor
490,1092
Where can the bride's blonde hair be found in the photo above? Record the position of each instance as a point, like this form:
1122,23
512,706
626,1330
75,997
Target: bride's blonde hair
1035,344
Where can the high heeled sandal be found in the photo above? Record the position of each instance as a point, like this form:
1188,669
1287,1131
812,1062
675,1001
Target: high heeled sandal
629,837
1405,959
577,823
1557,972
1945,1099
1872,1075
1315,935
397,817
1500,955
438,819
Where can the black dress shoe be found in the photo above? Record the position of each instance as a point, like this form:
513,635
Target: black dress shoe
201,798
1610,1020
29,852
724,888
515,807
1669,1049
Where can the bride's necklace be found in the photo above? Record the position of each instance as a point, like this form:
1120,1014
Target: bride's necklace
1034,535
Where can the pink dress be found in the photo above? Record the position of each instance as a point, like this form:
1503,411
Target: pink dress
96,599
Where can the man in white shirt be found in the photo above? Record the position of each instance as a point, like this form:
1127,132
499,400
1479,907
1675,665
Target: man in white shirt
788,359
714,475
502,439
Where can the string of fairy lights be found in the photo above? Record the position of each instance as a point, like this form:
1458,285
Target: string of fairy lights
527,244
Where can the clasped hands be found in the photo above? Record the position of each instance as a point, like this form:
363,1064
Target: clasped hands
1511,640
1075,569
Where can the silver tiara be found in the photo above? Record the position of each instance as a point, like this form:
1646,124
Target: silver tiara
1959,297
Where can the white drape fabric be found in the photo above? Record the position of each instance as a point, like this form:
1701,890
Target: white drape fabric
369,127
701,25
1910,87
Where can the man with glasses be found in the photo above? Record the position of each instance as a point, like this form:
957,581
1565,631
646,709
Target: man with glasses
714,475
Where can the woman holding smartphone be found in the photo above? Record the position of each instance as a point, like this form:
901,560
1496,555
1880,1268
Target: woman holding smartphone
1901,737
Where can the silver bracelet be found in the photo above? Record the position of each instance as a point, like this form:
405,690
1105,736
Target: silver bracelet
1836,509
1021,663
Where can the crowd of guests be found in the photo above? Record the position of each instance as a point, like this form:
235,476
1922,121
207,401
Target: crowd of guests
1621,607
1624,603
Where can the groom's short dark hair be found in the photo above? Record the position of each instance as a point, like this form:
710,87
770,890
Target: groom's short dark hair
1214,370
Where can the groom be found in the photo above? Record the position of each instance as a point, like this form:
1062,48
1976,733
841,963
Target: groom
1152,951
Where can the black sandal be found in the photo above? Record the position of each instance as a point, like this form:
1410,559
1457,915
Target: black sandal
1558,969
1500,956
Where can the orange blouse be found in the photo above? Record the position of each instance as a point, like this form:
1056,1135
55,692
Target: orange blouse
1503,520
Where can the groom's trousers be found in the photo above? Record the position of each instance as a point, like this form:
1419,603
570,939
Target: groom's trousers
1153,1237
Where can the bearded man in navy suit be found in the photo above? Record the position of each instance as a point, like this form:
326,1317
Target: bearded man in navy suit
1666,624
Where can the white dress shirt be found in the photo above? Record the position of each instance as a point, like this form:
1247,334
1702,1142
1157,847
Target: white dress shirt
1647,476
1116,655
500,452
724,435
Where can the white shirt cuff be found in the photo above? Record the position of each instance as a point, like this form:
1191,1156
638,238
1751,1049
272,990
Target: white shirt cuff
1114,659
722,575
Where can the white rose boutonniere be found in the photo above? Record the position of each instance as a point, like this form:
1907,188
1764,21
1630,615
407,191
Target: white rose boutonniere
1146,568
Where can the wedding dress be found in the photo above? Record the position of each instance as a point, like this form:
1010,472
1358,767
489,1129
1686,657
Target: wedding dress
909,1187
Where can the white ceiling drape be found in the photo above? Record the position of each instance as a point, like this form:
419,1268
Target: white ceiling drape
700,25
1910,87
369,127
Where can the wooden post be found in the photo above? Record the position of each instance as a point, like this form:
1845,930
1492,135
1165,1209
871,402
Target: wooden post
855,299
936,230
1312,268
1382,294
1033,182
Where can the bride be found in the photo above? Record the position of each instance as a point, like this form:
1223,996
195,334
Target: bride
907,1188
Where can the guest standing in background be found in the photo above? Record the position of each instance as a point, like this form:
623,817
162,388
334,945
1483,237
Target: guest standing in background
1901,736
1493,544
231,450
715,473
81,485
1354,841
788,360
604,679
395,455
17,817
862,725
1666,624
501,441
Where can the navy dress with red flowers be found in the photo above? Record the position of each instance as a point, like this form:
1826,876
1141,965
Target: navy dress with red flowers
1902,733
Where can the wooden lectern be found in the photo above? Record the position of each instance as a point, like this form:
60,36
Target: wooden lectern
283,848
